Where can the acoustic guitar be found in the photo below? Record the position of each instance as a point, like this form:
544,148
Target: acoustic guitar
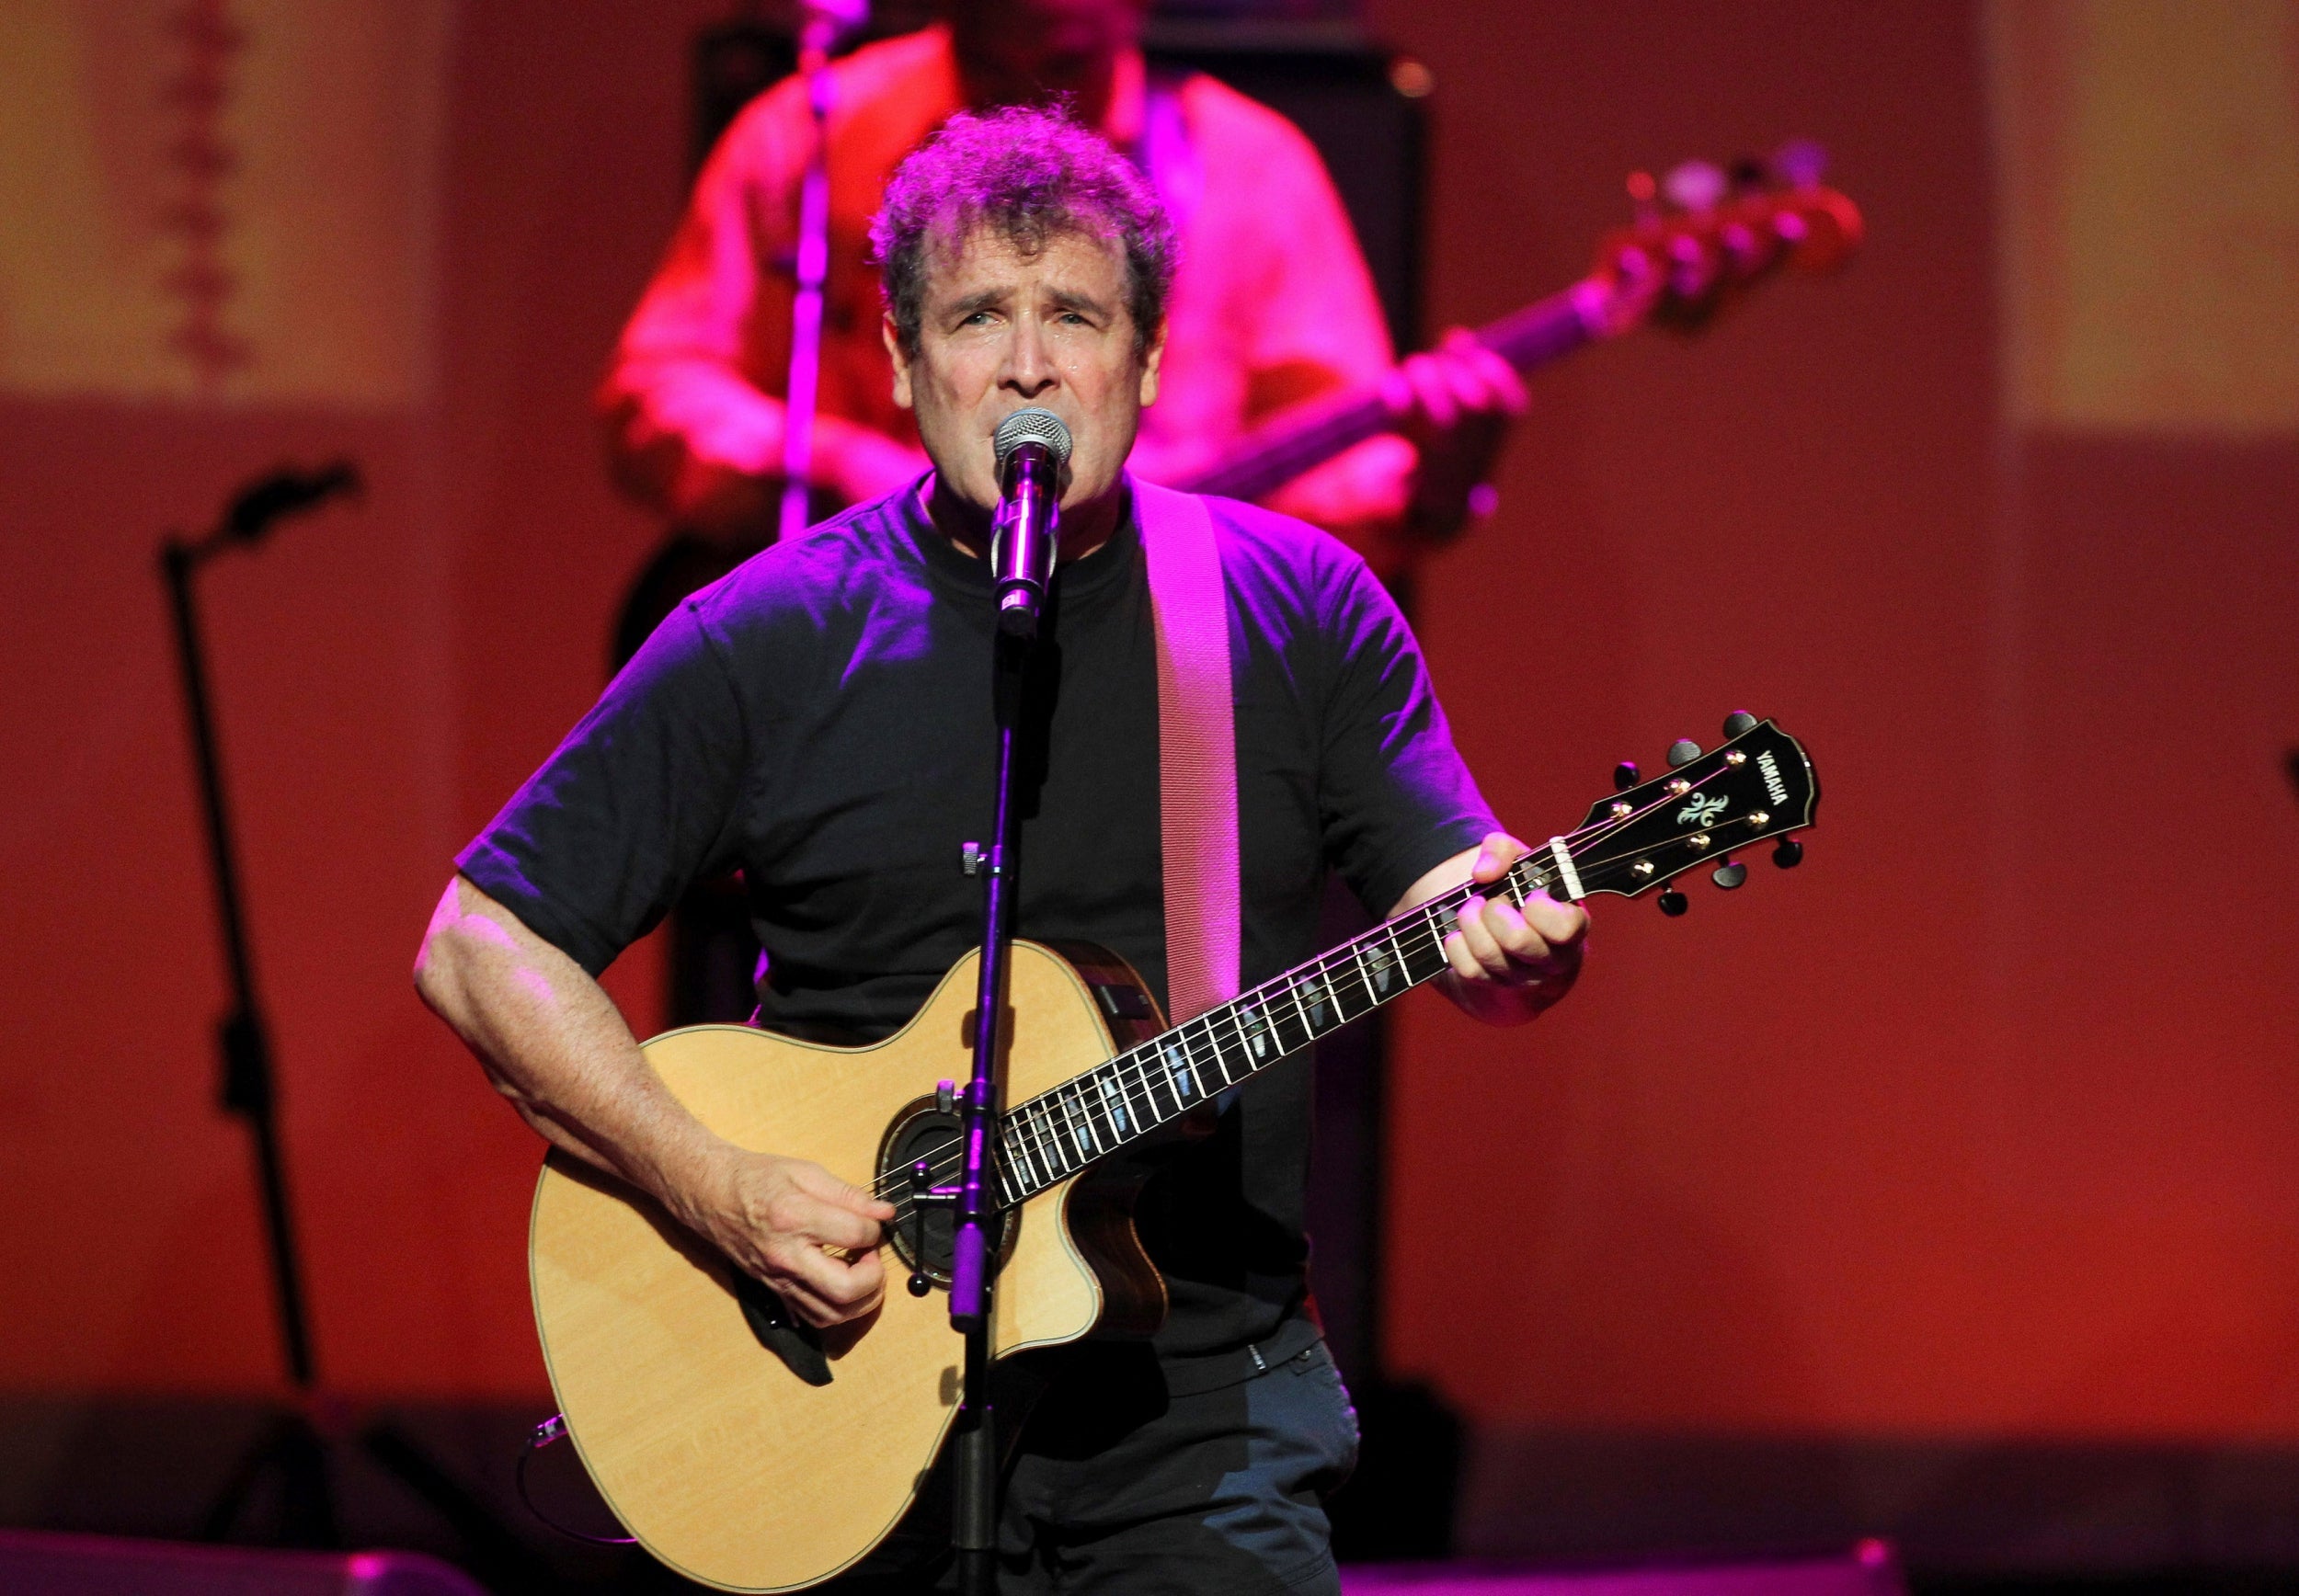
749,1451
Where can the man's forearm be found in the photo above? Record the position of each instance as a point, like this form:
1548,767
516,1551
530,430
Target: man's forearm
553,1044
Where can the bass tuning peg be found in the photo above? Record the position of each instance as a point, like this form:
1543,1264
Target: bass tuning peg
1788,853
1624,775
1673,903
1730,875
1739,723
1683,751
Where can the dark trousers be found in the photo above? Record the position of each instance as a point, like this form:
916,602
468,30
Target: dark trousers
1121,1487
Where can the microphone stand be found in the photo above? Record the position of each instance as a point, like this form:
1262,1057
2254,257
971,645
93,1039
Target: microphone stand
243,1039
977,1217
293,1448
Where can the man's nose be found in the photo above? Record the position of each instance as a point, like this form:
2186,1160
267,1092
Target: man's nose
1029,368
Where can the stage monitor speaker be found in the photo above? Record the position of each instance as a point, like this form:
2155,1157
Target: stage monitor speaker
1868,1570
34,1563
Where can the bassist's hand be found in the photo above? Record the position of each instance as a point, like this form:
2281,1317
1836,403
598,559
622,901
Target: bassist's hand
773,1218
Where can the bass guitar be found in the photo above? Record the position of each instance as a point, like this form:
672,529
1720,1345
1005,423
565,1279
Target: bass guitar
1704,238
749,1452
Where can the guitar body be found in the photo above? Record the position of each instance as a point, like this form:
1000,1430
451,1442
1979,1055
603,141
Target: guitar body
727,1465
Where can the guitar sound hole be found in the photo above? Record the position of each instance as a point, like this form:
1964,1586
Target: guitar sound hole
925,1132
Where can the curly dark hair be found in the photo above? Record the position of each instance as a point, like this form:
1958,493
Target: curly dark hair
1032,174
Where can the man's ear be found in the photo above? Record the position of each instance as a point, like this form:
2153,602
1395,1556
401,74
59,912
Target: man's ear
1150,360
895,352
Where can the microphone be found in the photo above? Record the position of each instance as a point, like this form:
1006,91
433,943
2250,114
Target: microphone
285,493
1033,446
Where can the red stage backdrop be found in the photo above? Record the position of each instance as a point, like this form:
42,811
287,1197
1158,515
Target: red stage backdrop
1982,1122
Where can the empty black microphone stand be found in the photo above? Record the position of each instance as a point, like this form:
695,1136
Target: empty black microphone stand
293,1448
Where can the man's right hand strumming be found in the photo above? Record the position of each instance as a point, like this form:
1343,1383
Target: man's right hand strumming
555,1045
774,1216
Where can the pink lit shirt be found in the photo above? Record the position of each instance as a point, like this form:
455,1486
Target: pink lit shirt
1271,303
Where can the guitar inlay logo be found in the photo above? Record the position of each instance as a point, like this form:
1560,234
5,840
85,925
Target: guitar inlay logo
1380,961
1177,1070
1702,811
1311,994
1254,1029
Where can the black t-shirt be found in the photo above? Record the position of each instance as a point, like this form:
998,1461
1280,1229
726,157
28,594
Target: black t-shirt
822,720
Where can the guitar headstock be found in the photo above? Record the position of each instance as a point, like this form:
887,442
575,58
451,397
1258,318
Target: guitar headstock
1705,234
1758,786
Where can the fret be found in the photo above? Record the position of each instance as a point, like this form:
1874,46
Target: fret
1364,979
1204,1055
1051,1153
1081,1132
1254,1034
1140,1062
1230,1077
1310,1002
1049,1145
1386,968
1179,1075
1423,957
1121,1097
1300,1017
1031,1120
1099,1130
1113,1108
1326,1006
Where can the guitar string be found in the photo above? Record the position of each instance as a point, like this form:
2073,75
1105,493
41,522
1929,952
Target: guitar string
1138,1059
1200,1040
1427,929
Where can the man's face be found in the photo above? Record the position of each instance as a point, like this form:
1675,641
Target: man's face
1002,330
1025,51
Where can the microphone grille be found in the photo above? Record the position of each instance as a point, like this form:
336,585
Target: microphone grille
1031,426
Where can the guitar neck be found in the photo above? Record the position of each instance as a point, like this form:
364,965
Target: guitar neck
1757,786
1271,456
1055,1135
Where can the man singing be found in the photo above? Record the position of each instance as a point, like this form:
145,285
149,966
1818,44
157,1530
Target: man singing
821,719
1271,301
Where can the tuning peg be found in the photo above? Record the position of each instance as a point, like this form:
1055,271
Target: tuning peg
1788,853
1673,903
1683,751
1645,194
1730,875
1738,723
1624,775
1695,187
1800,163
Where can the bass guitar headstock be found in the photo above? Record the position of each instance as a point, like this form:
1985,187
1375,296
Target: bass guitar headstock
1758,787
1704,234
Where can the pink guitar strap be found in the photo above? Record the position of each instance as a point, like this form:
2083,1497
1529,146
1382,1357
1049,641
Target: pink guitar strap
1196,749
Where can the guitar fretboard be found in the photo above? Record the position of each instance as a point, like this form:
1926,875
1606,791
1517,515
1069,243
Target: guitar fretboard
1053,1137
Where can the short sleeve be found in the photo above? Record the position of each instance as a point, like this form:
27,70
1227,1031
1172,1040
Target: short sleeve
1395,799
639,802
